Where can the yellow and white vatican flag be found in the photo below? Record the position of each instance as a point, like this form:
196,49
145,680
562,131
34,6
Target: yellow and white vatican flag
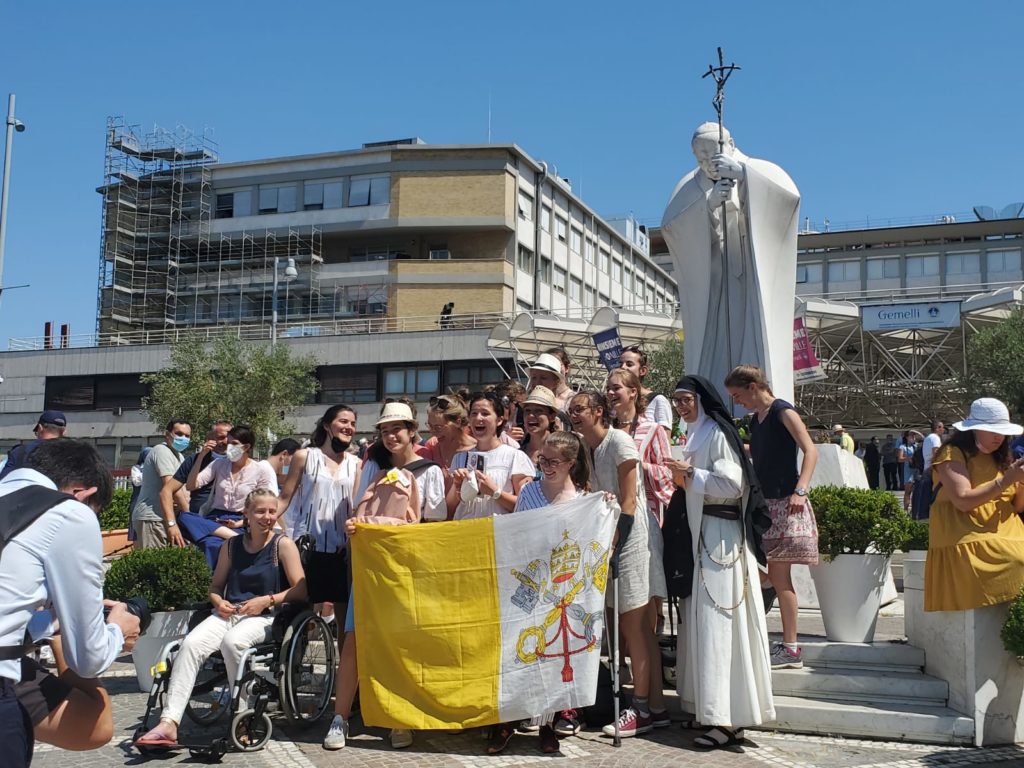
482,621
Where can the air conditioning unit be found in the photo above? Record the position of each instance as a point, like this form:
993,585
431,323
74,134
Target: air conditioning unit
440,255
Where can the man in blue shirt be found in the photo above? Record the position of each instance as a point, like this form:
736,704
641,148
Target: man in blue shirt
51,425
217,439
57,559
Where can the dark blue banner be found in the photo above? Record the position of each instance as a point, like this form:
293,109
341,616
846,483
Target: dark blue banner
609,347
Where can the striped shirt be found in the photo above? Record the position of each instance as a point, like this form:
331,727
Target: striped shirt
658,482
532,497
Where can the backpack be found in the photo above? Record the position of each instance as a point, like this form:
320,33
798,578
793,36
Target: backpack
18,510
917,459
394,493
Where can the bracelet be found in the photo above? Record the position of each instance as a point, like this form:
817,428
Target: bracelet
272,601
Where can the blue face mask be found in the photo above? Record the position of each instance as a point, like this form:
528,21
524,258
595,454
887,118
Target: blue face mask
180,443
284,469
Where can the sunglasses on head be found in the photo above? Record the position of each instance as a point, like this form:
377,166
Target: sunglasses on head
442,400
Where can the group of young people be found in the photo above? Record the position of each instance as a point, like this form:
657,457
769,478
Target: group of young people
732,525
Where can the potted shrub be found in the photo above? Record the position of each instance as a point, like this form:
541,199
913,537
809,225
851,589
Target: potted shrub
858,530
114,522
1013,629
170,579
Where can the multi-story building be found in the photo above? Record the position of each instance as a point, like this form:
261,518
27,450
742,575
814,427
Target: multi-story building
970,270
394,264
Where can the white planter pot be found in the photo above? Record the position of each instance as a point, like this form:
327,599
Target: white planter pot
166,626
850,593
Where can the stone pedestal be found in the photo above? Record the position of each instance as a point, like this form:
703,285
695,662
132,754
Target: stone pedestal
964,648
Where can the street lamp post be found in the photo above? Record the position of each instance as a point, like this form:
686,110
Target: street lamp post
13,124
290,273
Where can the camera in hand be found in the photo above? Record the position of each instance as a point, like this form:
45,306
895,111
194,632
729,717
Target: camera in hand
136,606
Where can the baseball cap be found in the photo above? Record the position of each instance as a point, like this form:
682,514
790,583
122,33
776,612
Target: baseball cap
53,417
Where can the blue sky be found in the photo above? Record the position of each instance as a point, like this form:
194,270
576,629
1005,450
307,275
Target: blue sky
877,110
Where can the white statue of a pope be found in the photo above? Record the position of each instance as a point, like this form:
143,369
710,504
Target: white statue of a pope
737,307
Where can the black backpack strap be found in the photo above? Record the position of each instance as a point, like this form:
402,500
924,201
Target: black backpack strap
18,510
416,466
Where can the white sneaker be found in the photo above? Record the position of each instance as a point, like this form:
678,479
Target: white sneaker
338,733
400,738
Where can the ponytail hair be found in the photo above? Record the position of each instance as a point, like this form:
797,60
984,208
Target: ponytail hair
571,447
745,375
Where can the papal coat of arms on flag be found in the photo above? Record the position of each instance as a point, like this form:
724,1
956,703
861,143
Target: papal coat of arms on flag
481,621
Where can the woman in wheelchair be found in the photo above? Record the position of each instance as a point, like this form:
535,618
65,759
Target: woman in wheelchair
246,588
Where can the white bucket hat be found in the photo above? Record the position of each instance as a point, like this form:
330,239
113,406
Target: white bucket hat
395,412
548,364
989,415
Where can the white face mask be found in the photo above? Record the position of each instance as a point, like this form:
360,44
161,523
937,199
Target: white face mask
234,452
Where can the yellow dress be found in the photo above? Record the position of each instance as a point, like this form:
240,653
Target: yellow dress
975,558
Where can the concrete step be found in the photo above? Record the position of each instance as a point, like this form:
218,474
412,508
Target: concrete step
880,657
863,685
889,722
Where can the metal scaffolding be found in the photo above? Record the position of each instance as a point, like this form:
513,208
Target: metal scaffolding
160,267
900,378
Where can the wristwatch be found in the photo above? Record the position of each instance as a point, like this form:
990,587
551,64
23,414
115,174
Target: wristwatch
800,491
690,472
497,494
170,523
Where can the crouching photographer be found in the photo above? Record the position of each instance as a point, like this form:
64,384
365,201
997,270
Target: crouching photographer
51,552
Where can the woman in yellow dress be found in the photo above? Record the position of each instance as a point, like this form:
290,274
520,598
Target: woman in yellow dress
976,538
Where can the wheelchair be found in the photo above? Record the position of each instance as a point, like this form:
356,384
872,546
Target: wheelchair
291,674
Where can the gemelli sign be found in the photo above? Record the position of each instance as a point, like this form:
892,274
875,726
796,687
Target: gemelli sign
883,317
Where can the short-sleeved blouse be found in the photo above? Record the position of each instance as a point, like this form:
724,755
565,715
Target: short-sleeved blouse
501,464
230,489
975,558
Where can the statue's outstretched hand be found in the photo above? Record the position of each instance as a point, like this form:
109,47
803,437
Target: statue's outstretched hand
727,167
721,192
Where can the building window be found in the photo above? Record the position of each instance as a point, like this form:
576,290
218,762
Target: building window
844,272
575,240
602,301
524,306
416,382
883,269
347,384
225,206
369,190
920,266
268,199
560,227
591,295
588,251
559,284
545,218
805,273
963,264
605,257
575,289
616,270
318,195
545,270
525,206
627,283
278,199
1004,265
439,252
243,203
525,260
94,393
473,374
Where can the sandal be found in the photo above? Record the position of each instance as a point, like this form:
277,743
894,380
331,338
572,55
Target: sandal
156,738
500,737
548,740
719,737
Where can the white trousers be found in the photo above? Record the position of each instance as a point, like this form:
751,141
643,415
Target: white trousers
232,637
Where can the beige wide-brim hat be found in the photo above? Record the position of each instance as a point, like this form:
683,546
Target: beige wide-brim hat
541,395
989,415
548,364
395,412
837,428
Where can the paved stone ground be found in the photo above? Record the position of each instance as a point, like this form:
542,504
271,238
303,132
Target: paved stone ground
293,747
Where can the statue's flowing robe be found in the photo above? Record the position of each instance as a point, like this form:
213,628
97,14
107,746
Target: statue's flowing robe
738,309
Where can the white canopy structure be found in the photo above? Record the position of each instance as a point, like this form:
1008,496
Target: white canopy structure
531,333
897,378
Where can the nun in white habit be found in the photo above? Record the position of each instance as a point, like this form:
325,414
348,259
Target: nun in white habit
723,666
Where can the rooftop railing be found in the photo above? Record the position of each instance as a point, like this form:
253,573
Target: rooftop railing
369,324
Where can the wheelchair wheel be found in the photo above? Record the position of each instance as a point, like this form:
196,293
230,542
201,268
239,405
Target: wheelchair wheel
211,695
308,664
250,732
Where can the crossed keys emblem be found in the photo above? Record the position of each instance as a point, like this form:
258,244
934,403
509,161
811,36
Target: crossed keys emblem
558,582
